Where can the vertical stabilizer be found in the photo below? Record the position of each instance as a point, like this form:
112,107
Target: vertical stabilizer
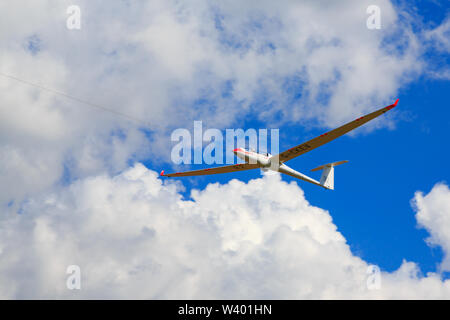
327,178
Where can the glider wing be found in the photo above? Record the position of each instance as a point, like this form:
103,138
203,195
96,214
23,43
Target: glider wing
207,171
331,135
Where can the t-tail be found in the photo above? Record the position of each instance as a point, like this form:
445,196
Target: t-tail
327,178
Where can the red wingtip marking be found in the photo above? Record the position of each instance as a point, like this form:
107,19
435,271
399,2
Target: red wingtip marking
392,105
162,173
238,149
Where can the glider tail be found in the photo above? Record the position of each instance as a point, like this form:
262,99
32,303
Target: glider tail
327,178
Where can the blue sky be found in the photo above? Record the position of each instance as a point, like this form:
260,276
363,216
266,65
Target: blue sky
371,203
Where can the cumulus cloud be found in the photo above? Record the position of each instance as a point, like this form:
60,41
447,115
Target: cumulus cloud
433,214
134,236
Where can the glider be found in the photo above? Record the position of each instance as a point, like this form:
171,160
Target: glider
266,161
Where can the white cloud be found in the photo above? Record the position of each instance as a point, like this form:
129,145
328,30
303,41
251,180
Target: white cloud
433,214
440,36
439,43
135,237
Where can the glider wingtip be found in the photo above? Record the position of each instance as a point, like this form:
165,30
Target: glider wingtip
162,173
392,105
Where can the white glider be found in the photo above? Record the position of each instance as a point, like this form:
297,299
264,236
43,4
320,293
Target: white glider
266,161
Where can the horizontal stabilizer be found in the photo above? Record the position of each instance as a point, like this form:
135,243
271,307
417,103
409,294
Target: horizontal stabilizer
333,164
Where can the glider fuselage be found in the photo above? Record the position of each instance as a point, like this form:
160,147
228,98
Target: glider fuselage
253,157
265,161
